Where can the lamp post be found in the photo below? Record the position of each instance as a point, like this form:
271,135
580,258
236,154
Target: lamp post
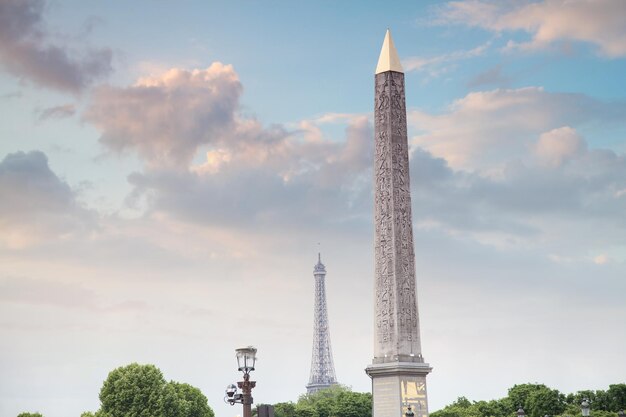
584,407
246,358
409,412
520,412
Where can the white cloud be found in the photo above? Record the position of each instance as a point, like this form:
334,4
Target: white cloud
559,145
486,128
549,22
509,168
261,174
505,167
165,118
269,178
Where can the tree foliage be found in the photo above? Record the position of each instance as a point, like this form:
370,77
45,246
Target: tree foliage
287,409
538,400
29,415
141,391
335,401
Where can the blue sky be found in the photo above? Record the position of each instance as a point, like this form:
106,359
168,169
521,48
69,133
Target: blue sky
162,163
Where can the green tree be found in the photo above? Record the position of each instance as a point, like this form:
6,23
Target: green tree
456,411
352,404
141,391
191,401
520,393
305,410
30,415
616,396
133,391
335,401
287,409
539,400
98,413
545,401
494,408
462,407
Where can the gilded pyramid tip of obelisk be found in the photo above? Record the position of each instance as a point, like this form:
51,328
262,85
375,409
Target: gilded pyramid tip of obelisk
388,59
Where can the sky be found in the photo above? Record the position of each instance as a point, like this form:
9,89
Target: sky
170,170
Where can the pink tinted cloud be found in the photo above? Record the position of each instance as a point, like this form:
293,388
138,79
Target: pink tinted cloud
165,118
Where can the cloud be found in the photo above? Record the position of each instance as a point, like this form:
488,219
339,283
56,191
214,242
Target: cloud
491,76
486,128
509,167
166,118
528,206
27,52
549,22
251,173
601,259
35,203
59,294
504,167
440,64
57,112
269,179
559,145
38,292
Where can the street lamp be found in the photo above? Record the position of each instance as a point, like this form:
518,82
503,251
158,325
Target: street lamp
520,412
409,412
584,407
246,359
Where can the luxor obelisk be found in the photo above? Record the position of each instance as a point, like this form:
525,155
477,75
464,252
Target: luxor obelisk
398,370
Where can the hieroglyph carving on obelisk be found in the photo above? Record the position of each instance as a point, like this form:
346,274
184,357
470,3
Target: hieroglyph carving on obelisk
398,370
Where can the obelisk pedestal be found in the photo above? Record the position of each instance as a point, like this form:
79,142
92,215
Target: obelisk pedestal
398,370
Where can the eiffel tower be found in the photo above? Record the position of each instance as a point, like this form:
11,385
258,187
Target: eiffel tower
322,367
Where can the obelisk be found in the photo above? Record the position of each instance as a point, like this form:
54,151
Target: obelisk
398,370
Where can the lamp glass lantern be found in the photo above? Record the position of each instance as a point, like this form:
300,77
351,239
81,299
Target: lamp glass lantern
246,358
584,408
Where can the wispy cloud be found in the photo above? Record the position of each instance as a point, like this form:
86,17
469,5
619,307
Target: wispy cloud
57,112
491,77
548,22
67,295
438,64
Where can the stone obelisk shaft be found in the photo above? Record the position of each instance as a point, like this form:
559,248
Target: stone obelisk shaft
397,324
398,370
